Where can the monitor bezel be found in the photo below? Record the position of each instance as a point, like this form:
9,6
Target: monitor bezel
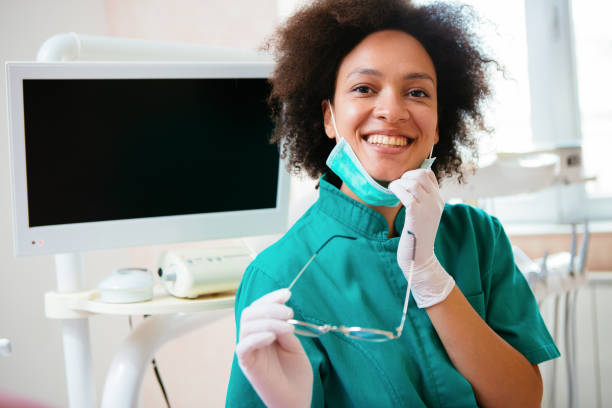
90,236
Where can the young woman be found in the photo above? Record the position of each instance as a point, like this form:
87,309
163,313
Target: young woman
396,299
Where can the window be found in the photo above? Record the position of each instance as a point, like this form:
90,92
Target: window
593,39
557,95
504,38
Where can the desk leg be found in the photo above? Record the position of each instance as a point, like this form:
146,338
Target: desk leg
75,335
126,371
78,365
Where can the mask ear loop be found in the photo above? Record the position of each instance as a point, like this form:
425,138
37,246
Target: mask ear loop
334,120
431,152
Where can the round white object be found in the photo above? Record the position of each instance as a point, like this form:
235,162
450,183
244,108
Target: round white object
5,347
127,285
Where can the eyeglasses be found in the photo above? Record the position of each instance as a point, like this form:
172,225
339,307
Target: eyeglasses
354,332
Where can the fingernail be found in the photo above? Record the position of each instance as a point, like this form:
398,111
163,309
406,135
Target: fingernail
284,295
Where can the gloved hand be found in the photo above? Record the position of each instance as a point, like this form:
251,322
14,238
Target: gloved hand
270,355
419,192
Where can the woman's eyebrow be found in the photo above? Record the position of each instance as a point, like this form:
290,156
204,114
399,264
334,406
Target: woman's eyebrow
373,72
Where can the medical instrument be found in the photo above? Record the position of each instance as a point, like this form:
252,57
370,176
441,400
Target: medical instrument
354,332
127,285
191,272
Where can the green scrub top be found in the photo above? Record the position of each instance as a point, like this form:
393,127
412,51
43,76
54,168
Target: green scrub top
359,283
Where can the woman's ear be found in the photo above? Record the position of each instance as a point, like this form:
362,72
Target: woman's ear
327,120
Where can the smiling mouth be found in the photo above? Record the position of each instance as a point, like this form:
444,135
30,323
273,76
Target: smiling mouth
388,141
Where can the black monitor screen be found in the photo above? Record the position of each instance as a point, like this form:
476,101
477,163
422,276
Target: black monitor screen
112,149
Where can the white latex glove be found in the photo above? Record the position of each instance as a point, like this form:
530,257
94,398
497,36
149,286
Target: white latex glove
270,355
419,192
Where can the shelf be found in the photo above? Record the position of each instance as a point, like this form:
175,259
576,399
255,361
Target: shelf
83,304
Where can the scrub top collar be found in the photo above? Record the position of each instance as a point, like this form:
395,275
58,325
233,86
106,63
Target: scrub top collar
353,214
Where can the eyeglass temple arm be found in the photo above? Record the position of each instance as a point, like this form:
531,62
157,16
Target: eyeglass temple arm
330,238
401,326
315,254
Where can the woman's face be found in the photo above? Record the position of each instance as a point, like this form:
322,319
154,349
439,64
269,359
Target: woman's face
385,104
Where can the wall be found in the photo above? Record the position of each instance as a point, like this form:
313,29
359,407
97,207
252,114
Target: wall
241,24
599,256
36,366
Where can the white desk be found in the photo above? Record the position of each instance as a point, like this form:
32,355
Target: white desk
170,318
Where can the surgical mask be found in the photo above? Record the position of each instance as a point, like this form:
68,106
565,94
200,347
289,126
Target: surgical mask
344,163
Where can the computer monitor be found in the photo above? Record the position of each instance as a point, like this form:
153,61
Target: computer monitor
119,154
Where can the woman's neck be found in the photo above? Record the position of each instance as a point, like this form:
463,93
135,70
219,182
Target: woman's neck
388,212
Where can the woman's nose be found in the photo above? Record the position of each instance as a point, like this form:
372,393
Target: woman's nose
391,108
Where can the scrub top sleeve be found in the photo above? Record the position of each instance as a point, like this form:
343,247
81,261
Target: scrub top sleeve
256,283
240,393
511,308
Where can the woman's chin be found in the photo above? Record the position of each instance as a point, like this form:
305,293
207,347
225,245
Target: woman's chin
383,183
386,178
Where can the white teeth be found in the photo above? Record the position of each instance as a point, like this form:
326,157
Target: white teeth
387,140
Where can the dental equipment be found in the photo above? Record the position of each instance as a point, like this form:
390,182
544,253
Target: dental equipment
70,303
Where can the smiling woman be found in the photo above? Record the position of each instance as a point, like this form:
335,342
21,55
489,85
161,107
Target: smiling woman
386,104
364,91
459,76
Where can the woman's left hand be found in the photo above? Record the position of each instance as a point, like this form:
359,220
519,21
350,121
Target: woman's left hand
419,192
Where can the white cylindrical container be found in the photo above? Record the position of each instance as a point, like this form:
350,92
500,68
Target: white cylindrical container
194,272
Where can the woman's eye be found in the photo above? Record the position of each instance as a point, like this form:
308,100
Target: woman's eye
362,89
417,93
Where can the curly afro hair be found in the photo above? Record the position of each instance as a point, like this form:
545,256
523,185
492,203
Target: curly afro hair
310,46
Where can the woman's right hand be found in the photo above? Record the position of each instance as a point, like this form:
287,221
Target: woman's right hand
270,355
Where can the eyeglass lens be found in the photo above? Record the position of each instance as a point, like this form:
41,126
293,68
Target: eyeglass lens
310,330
